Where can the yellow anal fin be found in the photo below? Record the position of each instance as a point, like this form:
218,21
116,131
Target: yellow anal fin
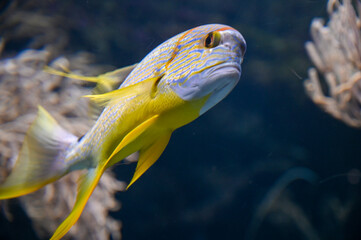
149,155
106,81
87,184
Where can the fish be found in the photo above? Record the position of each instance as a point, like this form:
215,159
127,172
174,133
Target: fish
173,85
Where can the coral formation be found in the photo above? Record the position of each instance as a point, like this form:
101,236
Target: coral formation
336,53
23,86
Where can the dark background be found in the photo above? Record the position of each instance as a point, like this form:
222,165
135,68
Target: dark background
214,177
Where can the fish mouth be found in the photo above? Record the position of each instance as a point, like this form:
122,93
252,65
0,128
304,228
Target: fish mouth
214,82
224,73
221,76
225,78
227,68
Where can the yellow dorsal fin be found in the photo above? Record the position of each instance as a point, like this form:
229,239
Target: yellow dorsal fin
108,82
149,155
112,80
53,71
105,82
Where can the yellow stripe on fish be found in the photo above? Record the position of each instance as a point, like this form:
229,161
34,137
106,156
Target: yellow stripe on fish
172,86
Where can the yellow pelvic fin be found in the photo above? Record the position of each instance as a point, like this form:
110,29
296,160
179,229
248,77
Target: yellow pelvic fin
136,132
41,158
149,155
87,184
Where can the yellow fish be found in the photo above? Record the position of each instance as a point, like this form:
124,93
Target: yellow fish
173,85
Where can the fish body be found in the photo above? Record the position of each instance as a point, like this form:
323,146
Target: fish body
173,62
173,85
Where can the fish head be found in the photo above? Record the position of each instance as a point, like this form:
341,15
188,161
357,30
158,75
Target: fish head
206,64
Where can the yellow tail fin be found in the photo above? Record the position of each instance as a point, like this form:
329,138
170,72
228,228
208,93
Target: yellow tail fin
40,159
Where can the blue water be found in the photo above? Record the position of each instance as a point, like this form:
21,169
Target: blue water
214,177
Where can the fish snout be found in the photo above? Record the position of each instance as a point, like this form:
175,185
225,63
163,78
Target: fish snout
234,42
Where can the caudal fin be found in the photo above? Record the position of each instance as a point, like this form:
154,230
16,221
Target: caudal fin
41,159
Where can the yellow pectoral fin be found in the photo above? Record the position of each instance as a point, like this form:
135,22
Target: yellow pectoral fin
106,98
141,89
87,184
149,155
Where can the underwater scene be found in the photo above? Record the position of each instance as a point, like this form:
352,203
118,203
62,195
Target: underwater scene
243,124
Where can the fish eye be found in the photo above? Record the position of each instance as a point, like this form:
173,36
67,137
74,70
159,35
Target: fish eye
212,40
